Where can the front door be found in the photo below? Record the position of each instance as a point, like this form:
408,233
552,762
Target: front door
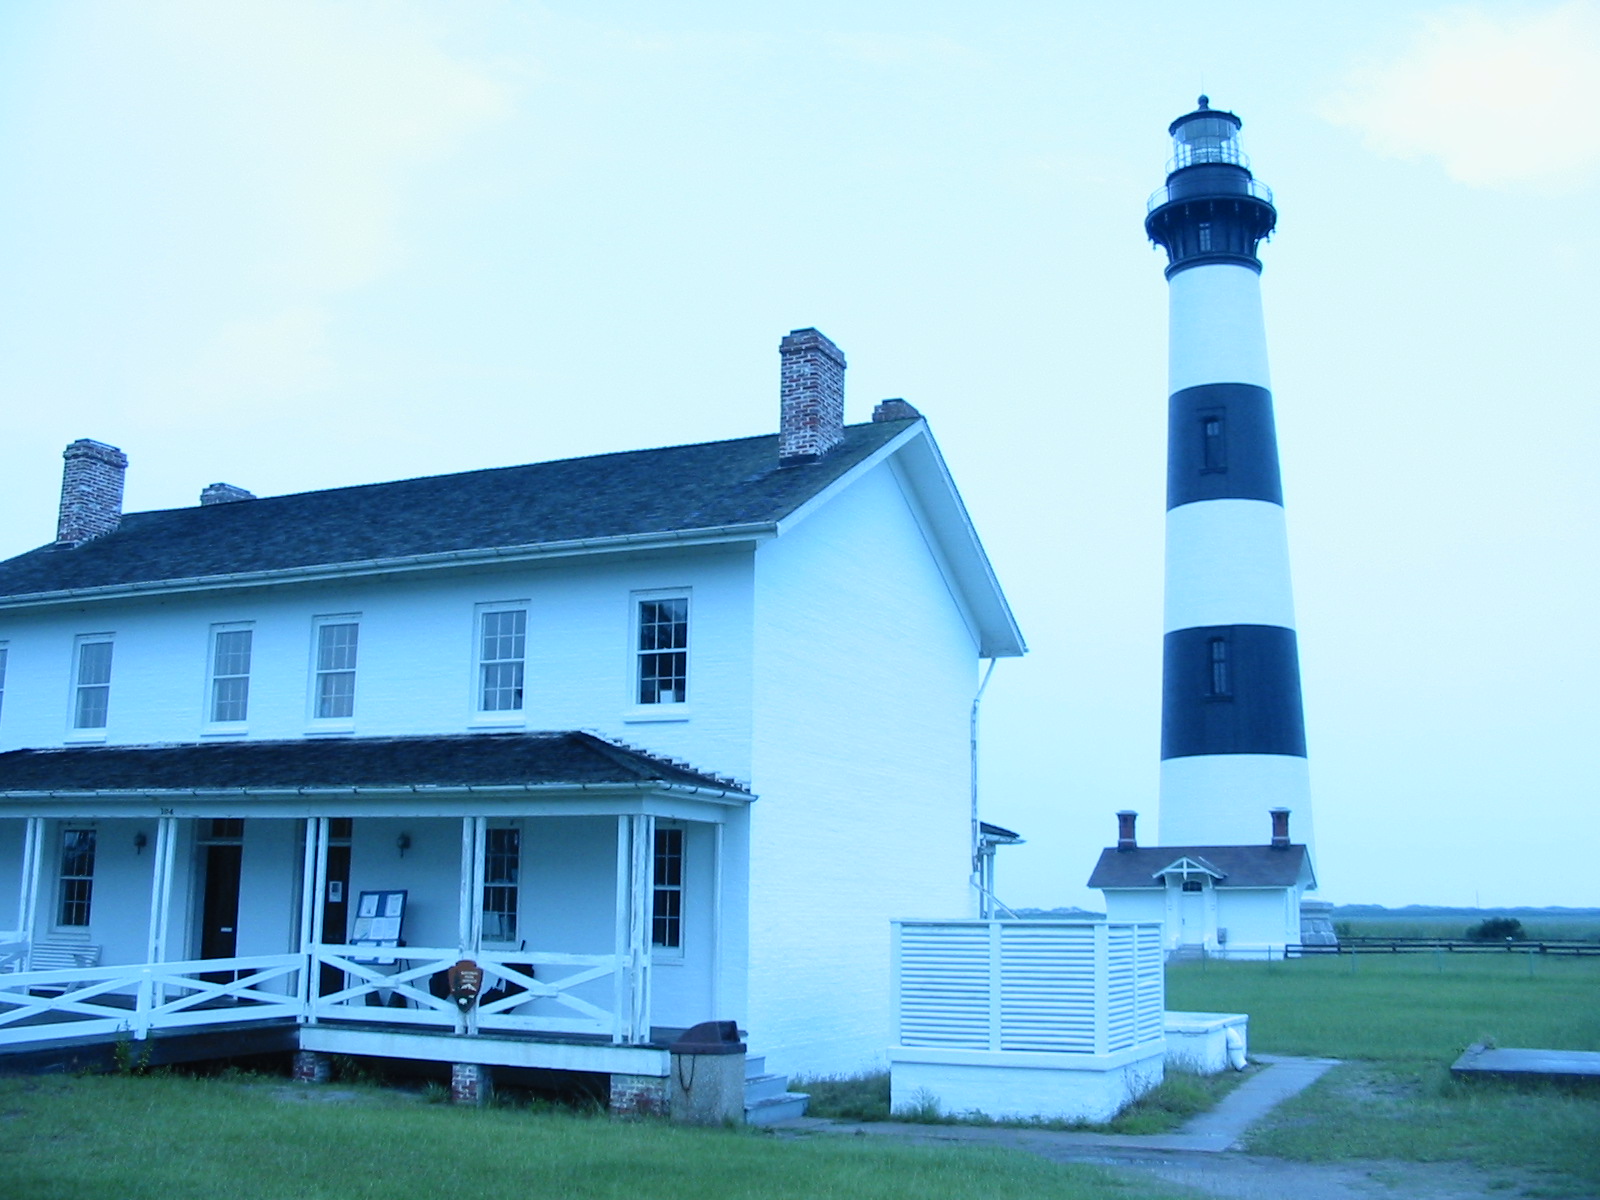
336,899
222,853
1192,914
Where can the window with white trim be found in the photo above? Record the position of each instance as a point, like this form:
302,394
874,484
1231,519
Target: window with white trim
666,908
4,654
502,656
229,700
91,681
502,882
334,671
75,884
662,648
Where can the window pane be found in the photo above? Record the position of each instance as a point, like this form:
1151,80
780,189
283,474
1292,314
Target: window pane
91,709
504,639
336,694
336,647
666,912
94,663
502,865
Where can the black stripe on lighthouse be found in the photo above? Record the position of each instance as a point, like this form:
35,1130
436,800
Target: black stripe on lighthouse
1222,445
1231,689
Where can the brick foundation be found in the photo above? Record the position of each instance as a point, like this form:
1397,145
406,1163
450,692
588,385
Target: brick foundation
312,1067
470,1083
638,1096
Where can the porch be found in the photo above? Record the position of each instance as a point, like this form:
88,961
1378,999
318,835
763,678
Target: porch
156,914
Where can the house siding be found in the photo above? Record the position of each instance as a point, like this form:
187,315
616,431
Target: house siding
865,672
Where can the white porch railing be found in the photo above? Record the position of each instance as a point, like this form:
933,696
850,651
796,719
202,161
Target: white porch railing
525,990
530,992
138,998
13,948
1076,987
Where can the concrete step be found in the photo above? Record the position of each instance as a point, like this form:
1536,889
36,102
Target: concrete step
755,1065
759,1087
785,1107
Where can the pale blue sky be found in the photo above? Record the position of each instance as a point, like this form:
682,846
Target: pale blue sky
293,244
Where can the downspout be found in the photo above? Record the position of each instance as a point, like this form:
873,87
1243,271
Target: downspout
977,843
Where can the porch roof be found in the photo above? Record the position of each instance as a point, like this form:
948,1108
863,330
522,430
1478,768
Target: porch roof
563,759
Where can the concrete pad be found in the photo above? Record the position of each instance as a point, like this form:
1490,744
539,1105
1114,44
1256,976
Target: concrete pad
1508,1063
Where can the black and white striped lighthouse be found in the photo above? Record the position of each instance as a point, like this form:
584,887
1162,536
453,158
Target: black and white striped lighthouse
1233,740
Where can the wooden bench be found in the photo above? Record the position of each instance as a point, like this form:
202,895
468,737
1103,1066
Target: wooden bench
63,956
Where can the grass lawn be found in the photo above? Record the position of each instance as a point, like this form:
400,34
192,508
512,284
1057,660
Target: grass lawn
1401,1020
172,1138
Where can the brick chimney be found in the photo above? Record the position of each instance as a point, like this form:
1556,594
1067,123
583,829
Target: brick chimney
1280,828
811,419
91,492
1125,838
894,410
223,493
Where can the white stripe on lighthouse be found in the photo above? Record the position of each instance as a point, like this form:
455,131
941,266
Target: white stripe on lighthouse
1227,564
1222,799
1217,331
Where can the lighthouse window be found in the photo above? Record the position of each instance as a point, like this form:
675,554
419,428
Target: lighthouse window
1213,443
1205,236
1220,686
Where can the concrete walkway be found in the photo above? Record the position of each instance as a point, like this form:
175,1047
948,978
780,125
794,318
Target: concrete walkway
1220,1129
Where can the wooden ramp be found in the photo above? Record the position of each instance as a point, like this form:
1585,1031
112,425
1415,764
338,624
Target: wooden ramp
1569,1066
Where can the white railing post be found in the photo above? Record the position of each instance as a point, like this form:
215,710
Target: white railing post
142,1004
1102,991
996,984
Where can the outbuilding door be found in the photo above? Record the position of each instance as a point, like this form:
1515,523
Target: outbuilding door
1192,914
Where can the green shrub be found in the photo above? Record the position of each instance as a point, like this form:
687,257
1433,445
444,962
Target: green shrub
1497,929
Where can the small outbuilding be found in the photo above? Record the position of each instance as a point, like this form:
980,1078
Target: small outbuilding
1232,901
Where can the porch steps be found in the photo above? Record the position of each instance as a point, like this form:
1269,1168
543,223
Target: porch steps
767,1098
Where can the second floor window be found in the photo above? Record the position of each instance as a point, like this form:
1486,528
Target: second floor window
2,678
502,651
230,675
336,669
663,651
91,702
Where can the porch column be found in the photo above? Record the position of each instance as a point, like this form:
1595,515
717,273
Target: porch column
312,865
161,871
311,919
636,836
471,909
28,900
716,919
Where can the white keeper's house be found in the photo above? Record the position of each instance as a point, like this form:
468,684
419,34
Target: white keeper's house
653,738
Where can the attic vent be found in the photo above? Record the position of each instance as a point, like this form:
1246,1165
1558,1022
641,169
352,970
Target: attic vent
223,493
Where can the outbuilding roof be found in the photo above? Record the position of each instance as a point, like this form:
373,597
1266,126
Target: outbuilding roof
1230,866
567,758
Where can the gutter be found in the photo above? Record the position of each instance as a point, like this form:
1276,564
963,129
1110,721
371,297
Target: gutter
657,785
709,535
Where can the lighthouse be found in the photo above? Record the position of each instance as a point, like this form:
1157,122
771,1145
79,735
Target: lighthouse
1233,746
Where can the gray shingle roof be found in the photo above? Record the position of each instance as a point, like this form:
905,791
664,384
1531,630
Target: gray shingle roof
639,493
1241,866
454,760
